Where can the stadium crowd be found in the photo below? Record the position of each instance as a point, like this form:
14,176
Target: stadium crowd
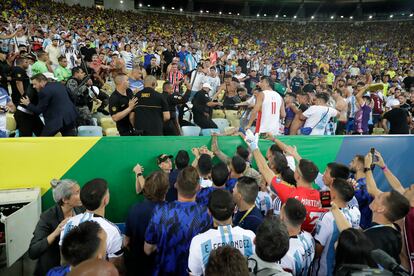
278,77
222,216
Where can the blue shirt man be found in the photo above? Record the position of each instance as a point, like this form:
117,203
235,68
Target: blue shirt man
173,226
364,200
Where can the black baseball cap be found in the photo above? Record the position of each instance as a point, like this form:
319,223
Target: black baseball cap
163,157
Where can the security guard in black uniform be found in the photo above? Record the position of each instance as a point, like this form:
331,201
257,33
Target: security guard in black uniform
172,127
27,122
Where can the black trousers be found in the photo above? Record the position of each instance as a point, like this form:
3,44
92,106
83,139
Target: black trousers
170,128
28,124
204,121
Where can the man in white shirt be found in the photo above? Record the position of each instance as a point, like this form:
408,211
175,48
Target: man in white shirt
269,108
301,252
95,197
317,116
221,207
240,75
54,52
327,233
214,81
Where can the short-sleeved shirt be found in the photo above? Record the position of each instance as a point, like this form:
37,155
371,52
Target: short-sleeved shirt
309,197
251,221
199,102
149,112
318,118
326,234
114,237
39,67
362,118
386,238
171,229
398,121
18,74
136,224
118,103
202,245
300,255
62,73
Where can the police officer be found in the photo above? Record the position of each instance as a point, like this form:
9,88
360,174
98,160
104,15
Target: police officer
56,106
172,127
202,106
152,109
121,106
27,122
4,70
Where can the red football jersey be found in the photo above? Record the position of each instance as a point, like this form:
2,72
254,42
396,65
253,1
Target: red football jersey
309,197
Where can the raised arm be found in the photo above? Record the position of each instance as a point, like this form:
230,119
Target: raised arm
391,178
371,185
216,150
340,220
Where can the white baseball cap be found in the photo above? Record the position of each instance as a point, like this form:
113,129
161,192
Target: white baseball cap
49,75
206,85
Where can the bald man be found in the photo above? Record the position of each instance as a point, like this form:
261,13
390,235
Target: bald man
152,109
95,267
121,106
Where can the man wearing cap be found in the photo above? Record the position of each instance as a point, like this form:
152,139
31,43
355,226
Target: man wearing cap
54,51
202,107
164,162
221,207
55,105
4,70
398,119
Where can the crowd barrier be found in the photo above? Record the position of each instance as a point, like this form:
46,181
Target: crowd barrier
33,162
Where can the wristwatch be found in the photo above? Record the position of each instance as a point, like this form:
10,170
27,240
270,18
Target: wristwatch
139,174
367,169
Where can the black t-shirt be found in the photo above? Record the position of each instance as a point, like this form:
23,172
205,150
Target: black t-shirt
243,64
168,57
199,102
4,73
118,103
175,99
398,121
148,113
408,83
88,53
386,238
18,74
296,83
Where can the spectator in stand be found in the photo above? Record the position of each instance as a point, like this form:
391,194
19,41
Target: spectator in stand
62,73
397,118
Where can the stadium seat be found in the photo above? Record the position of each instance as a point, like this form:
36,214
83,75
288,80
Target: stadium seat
191,130
107,122
378,131
90,131
10,122
113,131
160,83
209,131
222,124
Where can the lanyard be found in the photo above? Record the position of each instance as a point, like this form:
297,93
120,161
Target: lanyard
247,213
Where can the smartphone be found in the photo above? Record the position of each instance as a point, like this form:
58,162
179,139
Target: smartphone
374,158
325,199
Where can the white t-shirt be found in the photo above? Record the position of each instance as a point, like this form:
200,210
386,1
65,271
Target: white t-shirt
203,244
300,255
114,237
327,234
268,119
197,83
318,118
54,53
240,76
205,183
214,83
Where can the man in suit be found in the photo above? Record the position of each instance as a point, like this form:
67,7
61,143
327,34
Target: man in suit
58,110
